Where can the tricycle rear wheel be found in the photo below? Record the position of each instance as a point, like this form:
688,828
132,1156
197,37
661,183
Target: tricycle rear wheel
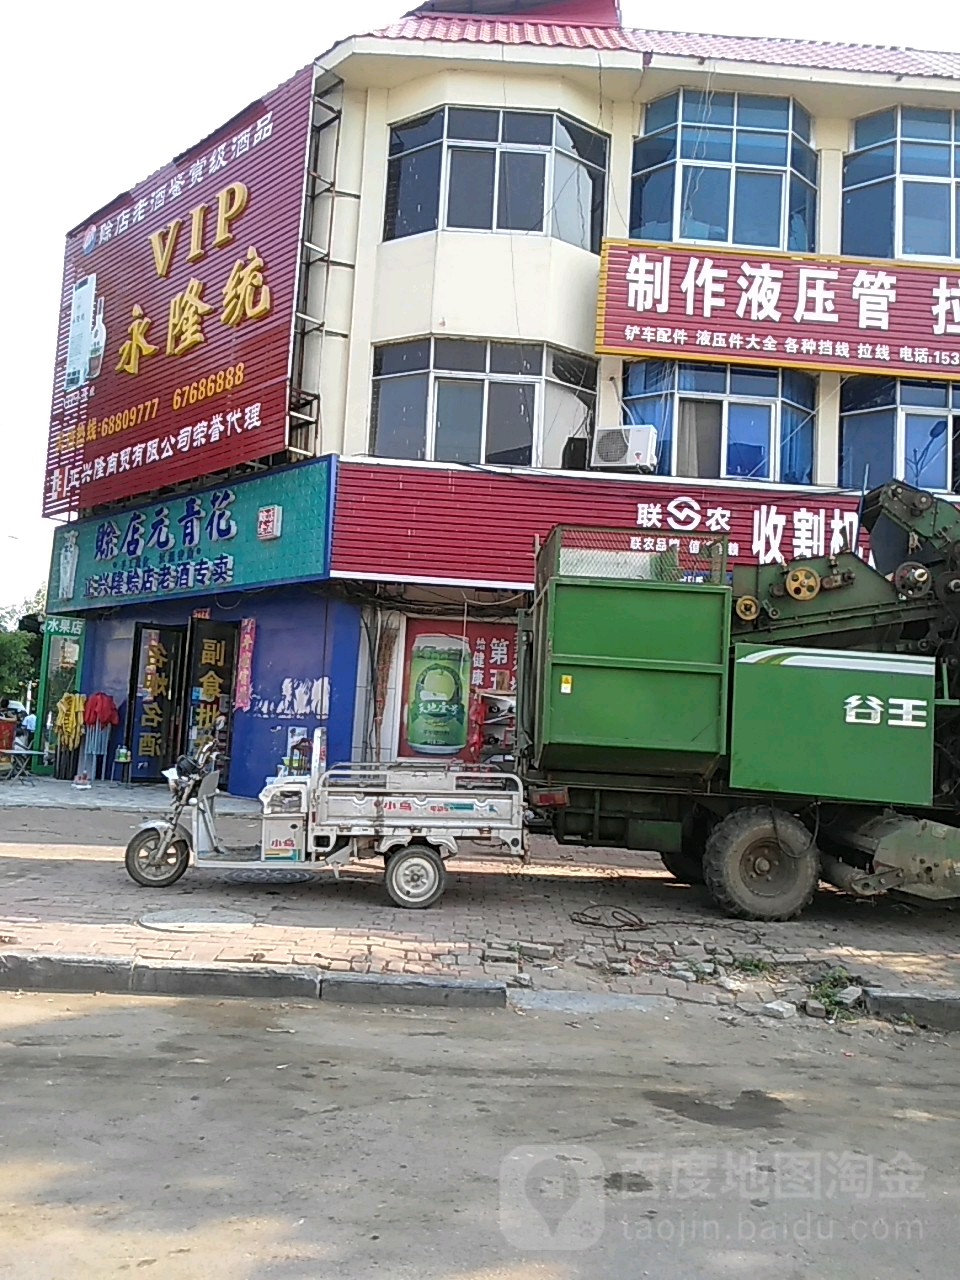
145,865
415,877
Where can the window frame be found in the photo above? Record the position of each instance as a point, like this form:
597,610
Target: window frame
680,163
775,402
901,408
898,178
498,148
486,377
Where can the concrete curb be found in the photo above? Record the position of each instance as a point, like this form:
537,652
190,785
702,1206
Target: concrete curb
376,988
938,1010
25,971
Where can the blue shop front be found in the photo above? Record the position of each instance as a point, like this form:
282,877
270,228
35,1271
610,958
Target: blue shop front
211,614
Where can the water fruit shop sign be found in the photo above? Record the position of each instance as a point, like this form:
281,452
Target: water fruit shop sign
754,307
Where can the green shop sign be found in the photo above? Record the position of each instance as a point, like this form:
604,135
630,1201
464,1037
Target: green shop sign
249,533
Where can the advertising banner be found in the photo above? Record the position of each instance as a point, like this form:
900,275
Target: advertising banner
176,314
749,306
440,525
200,544
445,662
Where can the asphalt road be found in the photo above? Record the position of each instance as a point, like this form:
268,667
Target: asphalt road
255,1141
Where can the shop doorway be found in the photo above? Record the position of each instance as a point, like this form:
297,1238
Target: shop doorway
181,693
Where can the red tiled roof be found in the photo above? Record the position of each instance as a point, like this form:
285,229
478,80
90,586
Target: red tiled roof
813,54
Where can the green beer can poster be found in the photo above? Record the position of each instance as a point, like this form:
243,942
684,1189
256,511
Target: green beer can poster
446,663
438,694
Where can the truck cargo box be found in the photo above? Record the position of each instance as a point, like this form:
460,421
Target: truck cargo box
632,650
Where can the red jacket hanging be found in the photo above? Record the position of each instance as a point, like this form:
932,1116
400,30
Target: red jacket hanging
100,710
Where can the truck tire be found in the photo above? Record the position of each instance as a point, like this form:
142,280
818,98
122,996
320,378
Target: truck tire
761,864
415,877
686,866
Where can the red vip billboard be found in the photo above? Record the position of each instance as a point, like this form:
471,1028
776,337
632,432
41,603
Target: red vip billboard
403,523
753,307
176,314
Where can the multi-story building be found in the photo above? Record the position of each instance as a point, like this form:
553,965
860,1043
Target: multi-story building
527,232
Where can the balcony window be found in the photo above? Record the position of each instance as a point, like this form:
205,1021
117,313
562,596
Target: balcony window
479,403
899,429
478,169
718,421
725,168
901,185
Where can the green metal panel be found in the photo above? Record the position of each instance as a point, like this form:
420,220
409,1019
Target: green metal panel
834,723
60,666
634,675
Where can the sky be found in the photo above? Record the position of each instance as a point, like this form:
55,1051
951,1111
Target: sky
99,99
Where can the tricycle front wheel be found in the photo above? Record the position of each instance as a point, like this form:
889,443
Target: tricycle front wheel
146,864
415,877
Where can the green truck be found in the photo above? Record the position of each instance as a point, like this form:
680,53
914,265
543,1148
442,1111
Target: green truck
765,728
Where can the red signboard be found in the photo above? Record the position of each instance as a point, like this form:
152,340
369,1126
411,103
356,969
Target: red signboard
176,314
430,524
748,306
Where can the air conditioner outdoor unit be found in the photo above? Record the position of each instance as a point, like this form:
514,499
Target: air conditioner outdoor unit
631,447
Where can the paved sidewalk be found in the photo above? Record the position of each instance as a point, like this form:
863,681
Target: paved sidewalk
140,797
575,920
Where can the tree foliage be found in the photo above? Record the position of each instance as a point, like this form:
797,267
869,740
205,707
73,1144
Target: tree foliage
17,664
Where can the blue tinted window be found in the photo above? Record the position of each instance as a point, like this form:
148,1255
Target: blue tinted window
651,205
754,382
654,411
926,441
932,395
748,441
926,218
399,417
868,166
799,387
756,208
708,108
919,122
660,113
801,217
796,445
866,449
875,128
473,123
648,153
801,121
520,196
459,421
583,143
706,200
528,128
866,393
648,375
413,193
925,158
804,160
754,112
703,377
700,143
762,148
416,133
868,221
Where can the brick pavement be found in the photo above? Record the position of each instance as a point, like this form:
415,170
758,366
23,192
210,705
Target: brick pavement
63,890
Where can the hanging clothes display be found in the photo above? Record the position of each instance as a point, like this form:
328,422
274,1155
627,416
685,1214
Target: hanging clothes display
100,717
68,727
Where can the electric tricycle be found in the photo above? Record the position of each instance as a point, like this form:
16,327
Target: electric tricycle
411,815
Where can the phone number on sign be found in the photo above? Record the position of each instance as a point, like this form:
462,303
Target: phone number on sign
99,428
205,388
